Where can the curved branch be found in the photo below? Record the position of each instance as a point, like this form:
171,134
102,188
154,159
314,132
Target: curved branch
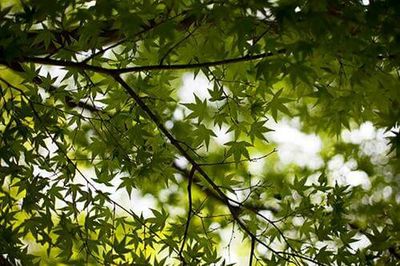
114,72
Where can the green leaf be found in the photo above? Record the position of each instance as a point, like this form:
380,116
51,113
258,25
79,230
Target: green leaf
199,109
257,130
203,134
238,149
276,104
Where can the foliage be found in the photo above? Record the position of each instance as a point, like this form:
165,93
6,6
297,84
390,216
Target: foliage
88,95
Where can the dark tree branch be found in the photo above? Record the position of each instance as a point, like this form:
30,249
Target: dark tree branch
211,193
190,210
253,243
243,160
114,72
200,65
176,45
103,50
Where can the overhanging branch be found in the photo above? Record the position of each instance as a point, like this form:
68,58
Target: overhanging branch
114,72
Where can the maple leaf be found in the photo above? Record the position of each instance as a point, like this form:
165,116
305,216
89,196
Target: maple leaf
276,104
257,130
199,109
203,134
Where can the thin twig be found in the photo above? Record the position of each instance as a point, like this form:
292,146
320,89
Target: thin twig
243,160
190,210
176,45
253,244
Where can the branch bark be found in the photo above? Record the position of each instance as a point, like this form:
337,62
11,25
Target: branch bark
115,72
190,210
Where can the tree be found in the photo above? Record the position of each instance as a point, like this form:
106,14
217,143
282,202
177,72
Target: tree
331,64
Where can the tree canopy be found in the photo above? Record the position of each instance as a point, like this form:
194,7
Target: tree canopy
92,120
